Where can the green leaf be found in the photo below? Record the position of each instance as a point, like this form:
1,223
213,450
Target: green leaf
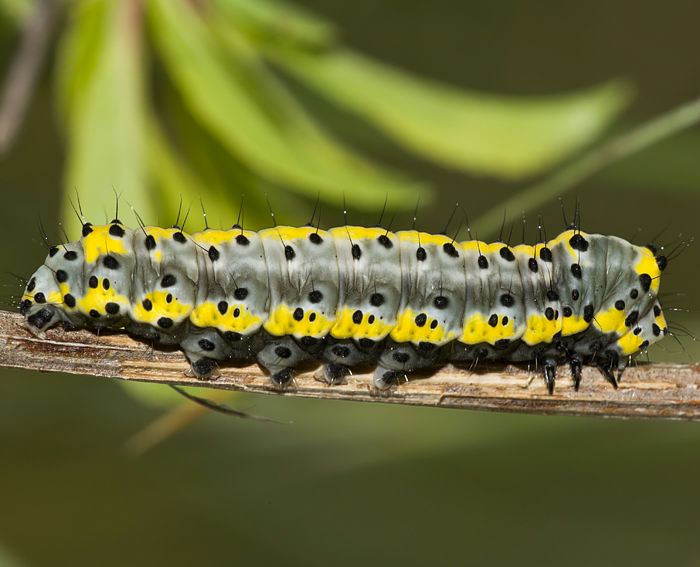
279,147
222,174
208,178
669,166
507,137
274,20
173,179
17,11
78,54
104,112
154,395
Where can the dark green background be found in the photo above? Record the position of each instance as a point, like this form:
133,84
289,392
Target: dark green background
350,483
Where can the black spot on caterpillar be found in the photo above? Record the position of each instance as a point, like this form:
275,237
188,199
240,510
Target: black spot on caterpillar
402,300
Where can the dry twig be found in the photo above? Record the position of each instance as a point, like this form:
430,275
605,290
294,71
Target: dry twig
669,391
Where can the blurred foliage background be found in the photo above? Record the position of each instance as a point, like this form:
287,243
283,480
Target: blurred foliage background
358,101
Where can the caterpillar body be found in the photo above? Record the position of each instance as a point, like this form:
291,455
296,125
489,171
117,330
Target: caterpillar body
350,296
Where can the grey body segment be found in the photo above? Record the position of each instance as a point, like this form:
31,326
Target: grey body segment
434,281
369,282
303,281
236,280
66,263
166,283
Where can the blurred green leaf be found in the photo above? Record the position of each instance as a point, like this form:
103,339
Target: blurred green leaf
16,11
78,54
290,149
154,395
508,137
670,165
593,161
9,559
222,174
172,177
106,135
274,20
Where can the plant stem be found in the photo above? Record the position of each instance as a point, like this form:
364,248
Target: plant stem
592,162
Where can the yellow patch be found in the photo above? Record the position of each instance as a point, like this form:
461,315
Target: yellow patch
55,297
157,232
660,320
212,237
423,238
612,320
573,325
207,314
477,330
65,289
281,322
96,298
630,343
525,250
482,247
541,330
286,233
100,242
360,232
647,265
406,330
175,310
346,328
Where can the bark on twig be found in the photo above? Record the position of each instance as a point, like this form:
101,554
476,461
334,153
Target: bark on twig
667,391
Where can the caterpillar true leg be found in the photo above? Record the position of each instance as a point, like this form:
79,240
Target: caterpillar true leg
549,368
575,365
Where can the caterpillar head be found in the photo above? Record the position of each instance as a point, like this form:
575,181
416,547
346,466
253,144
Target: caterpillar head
41,302
52,292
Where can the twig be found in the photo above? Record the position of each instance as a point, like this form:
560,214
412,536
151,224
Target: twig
169,423
592,162
670,391
221,408
24,70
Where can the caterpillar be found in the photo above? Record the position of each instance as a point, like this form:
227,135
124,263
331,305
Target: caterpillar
353,296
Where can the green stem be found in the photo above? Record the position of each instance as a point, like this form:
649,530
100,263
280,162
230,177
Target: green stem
592,162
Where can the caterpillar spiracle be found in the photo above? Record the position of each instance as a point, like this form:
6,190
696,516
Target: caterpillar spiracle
352,295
